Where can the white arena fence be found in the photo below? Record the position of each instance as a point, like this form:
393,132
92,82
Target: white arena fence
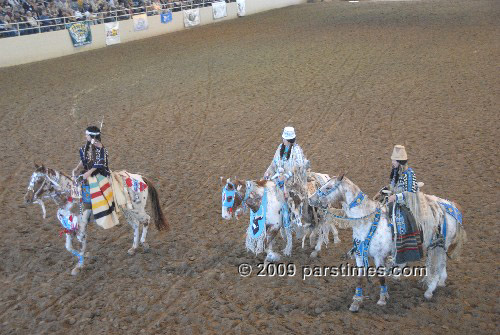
14,29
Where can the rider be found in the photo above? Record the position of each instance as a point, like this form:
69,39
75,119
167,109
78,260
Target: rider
289,165
94,160
404,187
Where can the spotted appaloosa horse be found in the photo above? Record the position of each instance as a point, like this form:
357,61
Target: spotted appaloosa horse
248,194
49,184
380,245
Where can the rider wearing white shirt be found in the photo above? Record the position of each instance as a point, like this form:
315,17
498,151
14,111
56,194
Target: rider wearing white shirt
288,161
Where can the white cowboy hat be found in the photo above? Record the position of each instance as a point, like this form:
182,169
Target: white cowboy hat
288,133
399,153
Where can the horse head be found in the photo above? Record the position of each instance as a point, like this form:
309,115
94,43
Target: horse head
37,185
328,193
232,200
44,182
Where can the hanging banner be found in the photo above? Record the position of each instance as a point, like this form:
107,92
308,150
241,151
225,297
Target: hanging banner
191,17
219,9
166,17
80,33
112,30
241,7
140,22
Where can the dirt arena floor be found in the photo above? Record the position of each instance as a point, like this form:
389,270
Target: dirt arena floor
189,107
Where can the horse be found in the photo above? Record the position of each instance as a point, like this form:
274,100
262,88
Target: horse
372,228
315,223
238,195
47,183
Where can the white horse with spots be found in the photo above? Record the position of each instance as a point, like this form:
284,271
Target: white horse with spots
49,184
371,226
239,195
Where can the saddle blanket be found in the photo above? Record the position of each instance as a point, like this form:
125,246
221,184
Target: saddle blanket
103,206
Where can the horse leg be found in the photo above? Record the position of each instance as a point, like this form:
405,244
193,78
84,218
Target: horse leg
382,301
436,262
135,244
317,248
69,247
288,248
271,255
145,227
442,277
335,232
357,299
82,231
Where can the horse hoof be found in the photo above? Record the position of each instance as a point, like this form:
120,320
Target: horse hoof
75,271
314,254
441,284
145,247
381,302
131,251
428,295
354,308
272,257
336,240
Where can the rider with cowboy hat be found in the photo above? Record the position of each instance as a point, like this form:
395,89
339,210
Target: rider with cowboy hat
289,164
404,187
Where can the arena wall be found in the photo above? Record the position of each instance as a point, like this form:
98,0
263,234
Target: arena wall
37,47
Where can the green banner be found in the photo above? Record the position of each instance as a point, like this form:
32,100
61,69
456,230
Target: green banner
80,33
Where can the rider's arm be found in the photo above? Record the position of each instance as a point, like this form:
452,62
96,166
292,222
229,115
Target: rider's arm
271,170
410,184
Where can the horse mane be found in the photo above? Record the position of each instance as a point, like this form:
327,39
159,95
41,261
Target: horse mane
261,182
51,171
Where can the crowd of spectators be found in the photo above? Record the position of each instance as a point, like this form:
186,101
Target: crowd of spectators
23,17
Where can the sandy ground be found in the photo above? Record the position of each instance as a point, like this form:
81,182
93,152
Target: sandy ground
189,107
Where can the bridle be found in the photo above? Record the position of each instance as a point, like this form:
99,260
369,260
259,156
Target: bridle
330,191
54,182
228,196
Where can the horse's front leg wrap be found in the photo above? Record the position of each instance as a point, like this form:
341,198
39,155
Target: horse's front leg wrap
80,257
384,295
356,300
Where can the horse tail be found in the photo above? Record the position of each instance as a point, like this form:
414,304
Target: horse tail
460,238
159,219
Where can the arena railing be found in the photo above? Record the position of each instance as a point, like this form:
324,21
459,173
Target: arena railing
120,14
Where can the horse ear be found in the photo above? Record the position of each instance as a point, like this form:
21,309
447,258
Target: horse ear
36,165
341,177
238,188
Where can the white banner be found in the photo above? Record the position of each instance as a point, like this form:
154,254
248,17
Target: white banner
241,7
112,30
219,9
191,17
140,22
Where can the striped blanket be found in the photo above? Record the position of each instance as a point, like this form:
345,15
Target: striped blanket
103,206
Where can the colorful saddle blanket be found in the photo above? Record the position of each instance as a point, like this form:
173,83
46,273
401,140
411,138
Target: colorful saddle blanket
103,205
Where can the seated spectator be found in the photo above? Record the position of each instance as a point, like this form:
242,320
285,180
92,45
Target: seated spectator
31,23
10,30
78,15
45,21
